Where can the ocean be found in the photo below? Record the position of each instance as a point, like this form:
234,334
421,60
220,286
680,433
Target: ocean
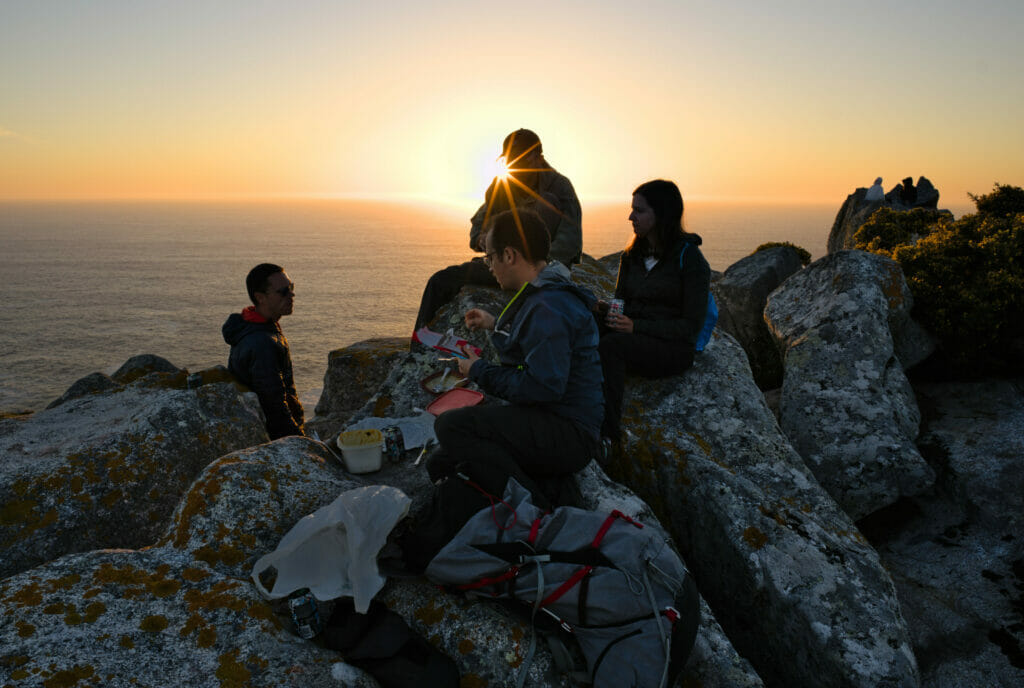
90,284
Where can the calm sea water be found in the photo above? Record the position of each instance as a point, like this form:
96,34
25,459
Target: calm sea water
88,285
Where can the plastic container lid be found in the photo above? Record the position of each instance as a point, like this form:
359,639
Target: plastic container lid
453,399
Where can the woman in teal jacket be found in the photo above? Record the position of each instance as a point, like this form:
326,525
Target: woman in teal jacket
664,282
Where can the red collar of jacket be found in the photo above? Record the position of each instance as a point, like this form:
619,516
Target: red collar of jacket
249,314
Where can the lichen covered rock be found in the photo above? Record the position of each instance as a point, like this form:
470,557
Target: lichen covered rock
107,469
741,294
796,587
846,403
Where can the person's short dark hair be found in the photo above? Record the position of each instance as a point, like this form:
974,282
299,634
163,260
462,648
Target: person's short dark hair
258,278
522,230
519,142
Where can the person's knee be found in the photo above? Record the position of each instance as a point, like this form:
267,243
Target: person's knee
453,423
613,346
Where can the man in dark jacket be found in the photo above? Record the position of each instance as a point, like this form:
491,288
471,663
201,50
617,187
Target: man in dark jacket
531,183
260,357
550,372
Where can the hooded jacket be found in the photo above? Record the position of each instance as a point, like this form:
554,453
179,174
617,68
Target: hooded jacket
546,340
260,359
671,300
566,235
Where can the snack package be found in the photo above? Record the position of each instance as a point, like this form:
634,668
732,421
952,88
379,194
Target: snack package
448,342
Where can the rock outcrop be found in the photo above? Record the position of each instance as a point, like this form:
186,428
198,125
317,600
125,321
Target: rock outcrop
741,294
855,211
797,589
846,403
183,611
354,373
957,553
786,577
106,467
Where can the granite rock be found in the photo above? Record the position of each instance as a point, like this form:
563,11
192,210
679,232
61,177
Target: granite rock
353,373
741,294
957,553
795,585
107,469
846,404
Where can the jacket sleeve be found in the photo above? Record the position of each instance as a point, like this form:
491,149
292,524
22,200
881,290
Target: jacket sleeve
567,242
694,285
270,387
546,337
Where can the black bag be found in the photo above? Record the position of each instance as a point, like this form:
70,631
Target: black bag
456,498
382,644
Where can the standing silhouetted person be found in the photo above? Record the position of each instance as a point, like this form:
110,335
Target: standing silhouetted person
530,183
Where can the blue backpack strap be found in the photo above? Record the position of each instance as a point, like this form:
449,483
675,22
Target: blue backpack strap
710,316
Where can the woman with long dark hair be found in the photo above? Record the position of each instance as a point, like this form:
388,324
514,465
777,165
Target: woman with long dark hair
664,282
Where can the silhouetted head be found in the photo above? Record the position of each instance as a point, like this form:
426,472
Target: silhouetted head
257,279
519,145
270,290
526,234
664,200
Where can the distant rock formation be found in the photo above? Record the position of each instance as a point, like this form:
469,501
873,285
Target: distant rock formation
855,211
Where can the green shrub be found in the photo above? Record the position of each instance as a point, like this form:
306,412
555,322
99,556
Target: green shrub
1004,201
967,277
887,228
805,255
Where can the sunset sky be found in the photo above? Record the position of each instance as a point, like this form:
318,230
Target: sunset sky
734,100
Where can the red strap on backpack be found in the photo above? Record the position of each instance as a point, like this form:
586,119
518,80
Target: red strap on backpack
494,502
608,524
585,571
493,580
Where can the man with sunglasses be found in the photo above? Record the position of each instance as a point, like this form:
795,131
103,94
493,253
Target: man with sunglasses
529,183
260,357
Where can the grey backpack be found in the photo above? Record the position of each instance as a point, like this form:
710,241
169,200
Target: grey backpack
617,586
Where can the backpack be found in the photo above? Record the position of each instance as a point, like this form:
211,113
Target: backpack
617,586
457,497
710,316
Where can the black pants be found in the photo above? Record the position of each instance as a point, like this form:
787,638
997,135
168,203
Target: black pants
443,286
527,443
635,353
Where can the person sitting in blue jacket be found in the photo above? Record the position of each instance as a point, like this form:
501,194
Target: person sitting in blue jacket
664,282
549,370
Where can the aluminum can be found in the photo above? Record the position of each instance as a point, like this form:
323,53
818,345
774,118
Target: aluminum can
305,613
615,306
394,443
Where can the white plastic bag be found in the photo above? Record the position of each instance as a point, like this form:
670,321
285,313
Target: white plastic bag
333,551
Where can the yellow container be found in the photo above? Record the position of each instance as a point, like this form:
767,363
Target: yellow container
361,450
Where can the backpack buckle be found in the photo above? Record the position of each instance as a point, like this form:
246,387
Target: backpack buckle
672,614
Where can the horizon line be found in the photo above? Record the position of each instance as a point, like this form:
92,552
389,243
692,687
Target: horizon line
443,200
